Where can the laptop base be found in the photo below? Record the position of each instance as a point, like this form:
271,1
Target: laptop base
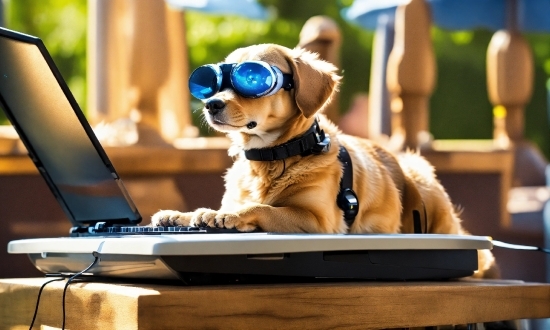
230,256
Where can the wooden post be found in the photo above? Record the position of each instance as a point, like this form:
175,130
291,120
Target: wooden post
138,68
509,83
321,34
108,70
411,73
510,76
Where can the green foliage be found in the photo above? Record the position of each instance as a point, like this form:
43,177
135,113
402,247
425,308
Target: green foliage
61,24
459,107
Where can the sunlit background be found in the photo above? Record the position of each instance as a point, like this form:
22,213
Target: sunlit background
459,108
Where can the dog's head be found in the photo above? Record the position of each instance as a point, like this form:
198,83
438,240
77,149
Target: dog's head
269,120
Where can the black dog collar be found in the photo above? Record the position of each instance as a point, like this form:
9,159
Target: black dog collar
314,141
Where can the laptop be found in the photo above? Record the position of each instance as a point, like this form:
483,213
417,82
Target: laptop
62,145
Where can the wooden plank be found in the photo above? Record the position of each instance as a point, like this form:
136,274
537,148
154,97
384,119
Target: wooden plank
471,162
351,305
17,165
475,156
155,161
203,155
88,306
200,155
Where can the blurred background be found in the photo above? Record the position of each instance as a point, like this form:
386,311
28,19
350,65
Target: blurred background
460,108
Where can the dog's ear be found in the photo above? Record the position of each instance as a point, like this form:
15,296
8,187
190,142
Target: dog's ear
315,81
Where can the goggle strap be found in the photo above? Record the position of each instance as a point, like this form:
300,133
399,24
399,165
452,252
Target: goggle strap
279,79
226,71
288,82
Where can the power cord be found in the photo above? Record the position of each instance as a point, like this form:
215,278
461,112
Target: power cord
38,299
97,258
519,247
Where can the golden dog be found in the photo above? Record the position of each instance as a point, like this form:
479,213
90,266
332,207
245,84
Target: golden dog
298,193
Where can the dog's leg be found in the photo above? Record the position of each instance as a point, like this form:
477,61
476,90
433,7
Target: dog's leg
197,218
268,218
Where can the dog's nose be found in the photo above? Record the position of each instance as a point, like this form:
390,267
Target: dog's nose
214,106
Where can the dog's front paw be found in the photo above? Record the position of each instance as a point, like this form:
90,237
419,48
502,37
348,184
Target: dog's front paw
231,220
220,219
170,218
203,217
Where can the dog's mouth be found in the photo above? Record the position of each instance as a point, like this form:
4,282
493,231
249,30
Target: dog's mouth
220,124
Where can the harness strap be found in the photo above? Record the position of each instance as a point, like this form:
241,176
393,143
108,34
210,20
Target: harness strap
417,223
347,200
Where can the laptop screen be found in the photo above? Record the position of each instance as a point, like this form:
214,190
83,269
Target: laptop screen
57,136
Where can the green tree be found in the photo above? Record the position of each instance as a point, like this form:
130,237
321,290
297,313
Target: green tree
61,24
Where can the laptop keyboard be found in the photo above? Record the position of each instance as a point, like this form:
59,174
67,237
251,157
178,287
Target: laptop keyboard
141,230
146,230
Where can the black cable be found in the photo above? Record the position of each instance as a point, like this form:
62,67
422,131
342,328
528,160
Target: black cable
63,276
96,256
38,299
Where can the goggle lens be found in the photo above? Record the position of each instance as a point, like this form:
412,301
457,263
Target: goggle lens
249,79
205,81
252,79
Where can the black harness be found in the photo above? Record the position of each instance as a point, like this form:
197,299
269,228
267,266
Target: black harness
347,199
315,141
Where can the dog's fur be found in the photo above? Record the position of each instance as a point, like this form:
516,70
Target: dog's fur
298,194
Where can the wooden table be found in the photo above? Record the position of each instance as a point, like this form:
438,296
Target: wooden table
95,305
461,157
199,155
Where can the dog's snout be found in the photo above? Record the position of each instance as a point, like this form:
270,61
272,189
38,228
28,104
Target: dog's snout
214,106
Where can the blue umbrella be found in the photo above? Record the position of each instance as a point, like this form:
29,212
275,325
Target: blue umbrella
247,8
528,15
365,13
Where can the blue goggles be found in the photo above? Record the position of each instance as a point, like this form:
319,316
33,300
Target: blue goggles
251,79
